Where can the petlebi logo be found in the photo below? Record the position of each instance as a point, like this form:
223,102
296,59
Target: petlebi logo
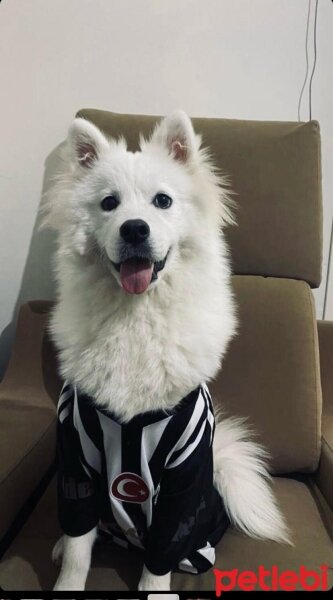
272,579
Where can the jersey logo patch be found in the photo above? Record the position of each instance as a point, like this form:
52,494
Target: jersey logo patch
129,487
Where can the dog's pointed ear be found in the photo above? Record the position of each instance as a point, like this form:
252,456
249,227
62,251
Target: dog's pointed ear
86,142
175,132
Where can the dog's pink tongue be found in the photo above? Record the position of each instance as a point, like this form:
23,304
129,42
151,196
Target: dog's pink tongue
135,275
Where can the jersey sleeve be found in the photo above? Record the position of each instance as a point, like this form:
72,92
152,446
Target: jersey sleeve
79,467
182,515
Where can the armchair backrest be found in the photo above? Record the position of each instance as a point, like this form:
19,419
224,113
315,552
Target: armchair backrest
275,171
271,371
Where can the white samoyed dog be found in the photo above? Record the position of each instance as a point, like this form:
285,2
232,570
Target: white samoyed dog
145,313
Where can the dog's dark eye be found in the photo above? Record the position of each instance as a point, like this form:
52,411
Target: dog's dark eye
162,201
110,203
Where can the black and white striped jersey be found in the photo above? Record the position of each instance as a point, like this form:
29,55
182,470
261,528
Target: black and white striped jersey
147,483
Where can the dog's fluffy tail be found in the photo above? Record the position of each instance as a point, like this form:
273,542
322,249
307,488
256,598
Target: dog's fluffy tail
242,479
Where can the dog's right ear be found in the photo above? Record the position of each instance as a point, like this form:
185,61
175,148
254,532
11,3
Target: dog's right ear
86,142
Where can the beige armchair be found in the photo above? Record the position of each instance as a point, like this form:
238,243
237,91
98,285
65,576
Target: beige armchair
276,372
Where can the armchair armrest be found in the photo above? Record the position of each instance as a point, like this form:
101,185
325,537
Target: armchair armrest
33,366
324,475
27,412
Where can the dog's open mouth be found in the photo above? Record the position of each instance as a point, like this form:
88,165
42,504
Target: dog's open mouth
137,273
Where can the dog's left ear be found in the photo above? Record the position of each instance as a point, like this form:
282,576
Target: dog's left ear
176,133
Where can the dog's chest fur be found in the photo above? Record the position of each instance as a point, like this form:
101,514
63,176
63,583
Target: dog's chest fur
133,354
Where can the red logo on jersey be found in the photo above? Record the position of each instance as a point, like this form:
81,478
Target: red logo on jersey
129,487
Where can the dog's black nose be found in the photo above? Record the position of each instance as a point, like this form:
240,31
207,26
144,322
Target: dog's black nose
134,231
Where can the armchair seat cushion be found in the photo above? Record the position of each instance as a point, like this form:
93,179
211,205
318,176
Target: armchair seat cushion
27,564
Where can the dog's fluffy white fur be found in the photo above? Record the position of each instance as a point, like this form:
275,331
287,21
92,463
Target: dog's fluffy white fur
134,353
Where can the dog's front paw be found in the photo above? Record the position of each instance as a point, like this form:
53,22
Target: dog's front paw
65,582
68,584
154,583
